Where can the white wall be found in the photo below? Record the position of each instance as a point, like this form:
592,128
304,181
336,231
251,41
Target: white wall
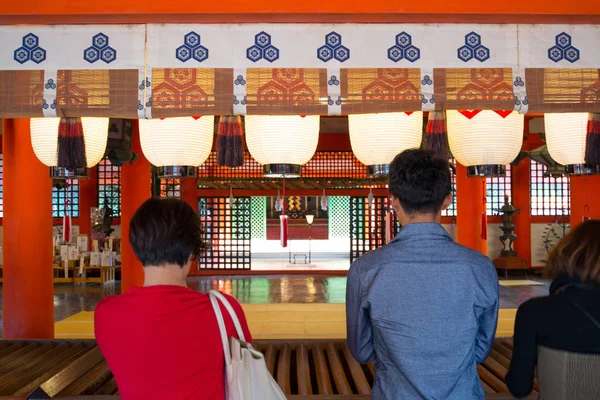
494,245
538,248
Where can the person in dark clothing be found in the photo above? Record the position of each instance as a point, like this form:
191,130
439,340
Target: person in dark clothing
563,325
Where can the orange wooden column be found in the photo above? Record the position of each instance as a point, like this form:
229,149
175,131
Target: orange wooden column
470,193
28,289
584,191
135,189
521,199
88,198
189,194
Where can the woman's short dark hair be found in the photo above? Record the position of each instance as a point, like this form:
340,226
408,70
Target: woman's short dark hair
577,254
165,231
420,181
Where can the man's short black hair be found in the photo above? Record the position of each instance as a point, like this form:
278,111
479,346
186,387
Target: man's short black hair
420,181
165,231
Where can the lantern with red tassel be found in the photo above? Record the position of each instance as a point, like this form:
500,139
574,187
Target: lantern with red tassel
437,134
69,145
230,141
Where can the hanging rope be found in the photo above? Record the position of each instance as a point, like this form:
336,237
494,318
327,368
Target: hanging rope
484,215
283,219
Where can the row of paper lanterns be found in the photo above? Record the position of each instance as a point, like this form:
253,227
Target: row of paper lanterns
487,138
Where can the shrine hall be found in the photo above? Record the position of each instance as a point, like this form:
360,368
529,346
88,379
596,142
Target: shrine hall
277,123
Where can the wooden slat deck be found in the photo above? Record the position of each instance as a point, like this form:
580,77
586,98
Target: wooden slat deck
305,369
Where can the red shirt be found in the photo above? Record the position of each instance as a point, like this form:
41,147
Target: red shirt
163,342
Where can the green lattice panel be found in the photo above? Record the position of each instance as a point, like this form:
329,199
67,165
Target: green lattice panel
258,217
339,216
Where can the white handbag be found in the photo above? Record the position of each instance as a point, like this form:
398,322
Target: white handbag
246,373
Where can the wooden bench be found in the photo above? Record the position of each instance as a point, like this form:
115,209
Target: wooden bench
309,369
105,275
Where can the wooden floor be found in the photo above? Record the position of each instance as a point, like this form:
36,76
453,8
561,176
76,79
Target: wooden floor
274,321
301,368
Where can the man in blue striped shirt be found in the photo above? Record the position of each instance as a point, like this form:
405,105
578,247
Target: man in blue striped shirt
423,307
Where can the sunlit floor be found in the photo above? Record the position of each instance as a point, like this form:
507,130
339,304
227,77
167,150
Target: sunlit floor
276,306
274,321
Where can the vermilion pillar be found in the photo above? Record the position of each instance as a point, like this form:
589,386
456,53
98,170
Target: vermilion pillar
189,194
521,199
584,191
28,290
135,189
88,198
470,193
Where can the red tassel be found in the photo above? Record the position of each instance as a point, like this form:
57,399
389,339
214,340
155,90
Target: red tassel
230,142
67,229
592,146
283,220
71,144
484,226
437,134
388,227
484,220
284,230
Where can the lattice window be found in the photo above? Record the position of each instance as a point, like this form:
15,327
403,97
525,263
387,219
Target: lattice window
227,233
1,186
367,225
65,201
258,215
496,188
339,216
170,188
324,164
451,210
109,186
549,196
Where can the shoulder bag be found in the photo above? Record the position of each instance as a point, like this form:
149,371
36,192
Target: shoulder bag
246,373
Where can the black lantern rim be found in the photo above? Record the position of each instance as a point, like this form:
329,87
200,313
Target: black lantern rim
286,171
378,170
177,171
486,171
582,169
63,173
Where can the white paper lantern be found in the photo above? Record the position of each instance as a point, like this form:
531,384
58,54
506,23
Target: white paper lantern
282,143
486,142
377,138
44,139
177,146
566,137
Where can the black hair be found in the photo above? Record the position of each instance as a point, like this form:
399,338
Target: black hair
420,181
165,231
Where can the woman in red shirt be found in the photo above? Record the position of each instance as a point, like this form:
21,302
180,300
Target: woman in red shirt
161,340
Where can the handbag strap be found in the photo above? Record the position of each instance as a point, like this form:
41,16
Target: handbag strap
232,314
222,329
